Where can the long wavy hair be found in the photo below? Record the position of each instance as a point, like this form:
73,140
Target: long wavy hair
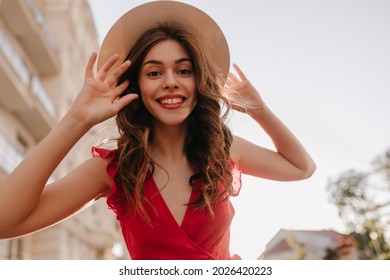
208,141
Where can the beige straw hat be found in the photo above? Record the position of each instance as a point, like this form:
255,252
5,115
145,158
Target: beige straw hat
128,28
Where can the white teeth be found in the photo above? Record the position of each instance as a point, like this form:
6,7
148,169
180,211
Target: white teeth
171,101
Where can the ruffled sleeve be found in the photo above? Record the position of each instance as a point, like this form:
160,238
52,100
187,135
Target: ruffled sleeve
236,173
116,197
103,153
109,155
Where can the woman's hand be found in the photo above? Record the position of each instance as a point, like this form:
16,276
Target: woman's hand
290,161
242,94
99,99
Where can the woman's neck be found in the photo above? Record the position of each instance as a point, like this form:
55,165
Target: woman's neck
169,143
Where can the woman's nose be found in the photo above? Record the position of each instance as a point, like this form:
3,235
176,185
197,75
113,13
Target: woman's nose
170,80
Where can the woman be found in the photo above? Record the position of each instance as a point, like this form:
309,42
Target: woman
177,163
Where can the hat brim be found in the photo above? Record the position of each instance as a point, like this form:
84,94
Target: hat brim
122,36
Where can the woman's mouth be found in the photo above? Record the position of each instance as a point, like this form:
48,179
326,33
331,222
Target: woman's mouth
171,102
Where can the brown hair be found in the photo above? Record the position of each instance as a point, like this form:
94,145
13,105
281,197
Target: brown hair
208,140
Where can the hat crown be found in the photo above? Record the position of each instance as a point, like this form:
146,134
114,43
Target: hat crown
122,36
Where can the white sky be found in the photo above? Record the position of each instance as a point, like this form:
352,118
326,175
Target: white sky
324,68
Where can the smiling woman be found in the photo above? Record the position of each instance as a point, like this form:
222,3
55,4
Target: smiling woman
177,164
169,66
168,82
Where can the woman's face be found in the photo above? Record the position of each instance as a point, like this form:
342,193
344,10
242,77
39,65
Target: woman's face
167,83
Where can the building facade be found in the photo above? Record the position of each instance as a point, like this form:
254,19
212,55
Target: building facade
310,245
44,48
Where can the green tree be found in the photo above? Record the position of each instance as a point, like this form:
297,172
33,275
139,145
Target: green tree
363,202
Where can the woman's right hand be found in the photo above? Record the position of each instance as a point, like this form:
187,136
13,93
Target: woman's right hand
99,99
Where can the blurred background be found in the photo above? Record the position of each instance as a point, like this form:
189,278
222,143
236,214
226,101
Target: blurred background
321,66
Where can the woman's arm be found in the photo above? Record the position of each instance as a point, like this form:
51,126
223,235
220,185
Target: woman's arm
61,199
290,161
21,194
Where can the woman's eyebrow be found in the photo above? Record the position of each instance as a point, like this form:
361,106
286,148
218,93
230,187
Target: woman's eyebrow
152,61
159,62
184,59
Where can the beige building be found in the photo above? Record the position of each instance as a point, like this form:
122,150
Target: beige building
310,245
44,47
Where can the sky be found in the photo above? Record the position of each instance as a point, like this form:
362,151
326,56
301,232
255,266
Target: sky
323,67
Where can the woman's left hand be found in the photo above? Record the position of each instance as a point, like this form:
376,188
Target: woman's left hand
242,93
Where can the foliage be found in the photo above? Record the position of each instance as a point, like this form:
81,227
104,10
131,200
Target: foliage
343,250
363,202
371,242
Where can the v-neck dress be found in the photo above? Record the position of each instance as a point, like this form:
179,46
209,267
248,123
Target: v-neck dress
200,236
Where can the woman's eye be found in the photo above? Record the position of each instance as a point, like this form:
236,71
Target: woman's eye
153,74
185,72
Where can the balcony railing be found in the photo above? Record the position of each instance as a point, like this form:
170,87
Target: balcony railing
26,21
10,156
38,90
40,19
26,76
14,58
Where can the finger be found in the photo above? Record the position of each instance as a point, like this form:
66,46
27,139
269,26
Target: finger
112,78
226,92
102,71
232,82
239,72
229,81
233,78
229,86
122,102
120,89
230,93
90,64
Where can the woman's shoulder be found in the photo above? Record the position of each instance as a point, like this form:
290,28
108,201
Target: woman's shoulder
105,164
235,168
235,148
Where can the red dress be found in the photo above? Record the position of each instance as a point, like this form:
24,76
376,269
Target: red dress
199,237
